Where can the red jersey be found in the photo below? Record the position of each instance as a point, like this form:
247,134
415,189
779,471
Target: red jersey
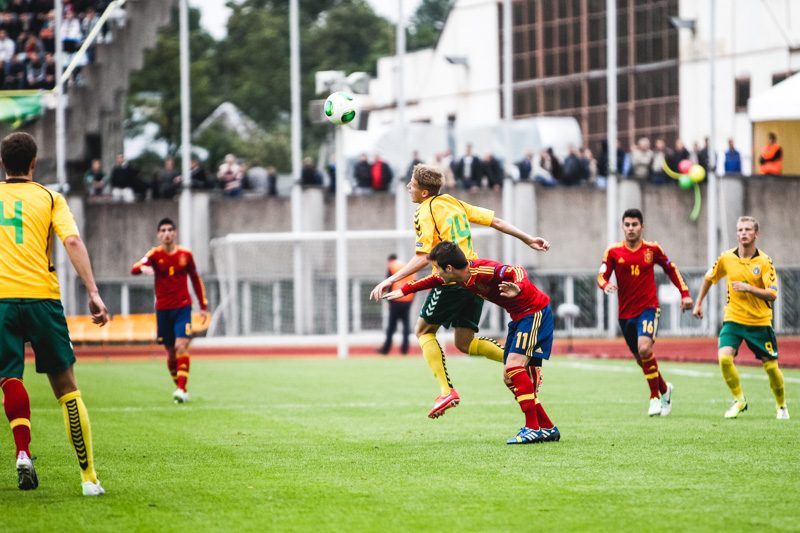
484,281
636,278
171,272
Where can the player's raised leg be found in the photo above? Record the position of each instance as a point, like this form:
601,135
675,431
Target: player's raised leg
79,429
17,406
434,356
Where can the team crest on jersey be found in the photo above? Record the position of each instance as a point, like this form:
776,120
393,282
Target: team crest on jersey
648,256
182,261
757,271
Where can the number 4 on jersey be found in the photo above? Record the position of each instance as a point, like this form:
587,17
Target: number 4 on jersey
15,221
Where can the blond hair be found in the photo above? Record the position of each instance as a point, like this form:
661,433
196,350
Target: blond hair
428,177
748,219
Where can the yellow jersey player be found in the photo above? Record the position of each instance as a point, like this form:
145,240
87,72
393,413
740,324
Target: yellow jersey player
441,217
752,287
31,310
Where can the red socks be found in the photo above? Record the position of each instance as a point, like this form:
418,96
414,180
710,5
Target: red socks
183,370
653,376
18,411
172,366
519,383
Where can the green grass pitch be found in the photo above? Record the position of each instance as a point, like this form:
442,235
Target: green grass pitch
330,445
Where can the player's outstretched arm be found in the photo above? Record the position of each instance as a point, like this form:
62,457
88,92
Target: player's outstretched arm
417,263
698,304
79,257
394,295
537,243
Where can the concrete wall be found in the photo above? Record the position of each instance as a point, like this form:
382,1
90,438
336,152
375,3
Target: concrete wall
99,105
573,219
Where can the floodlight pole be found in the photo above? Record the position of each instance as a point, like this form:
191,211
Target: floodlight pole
508,110
186,141
612,194
297,155
62,265
400,199
713,201
342,285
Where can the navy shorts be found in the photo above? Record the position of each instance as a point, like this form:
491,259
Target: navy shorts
174,323
644,325
531,335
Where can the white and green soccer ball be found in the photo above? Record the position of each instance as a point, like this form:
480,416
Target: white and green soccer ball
340,108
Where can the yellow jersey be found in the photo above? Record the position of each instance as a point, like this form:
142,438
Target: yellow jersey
444,218
758,271
29,215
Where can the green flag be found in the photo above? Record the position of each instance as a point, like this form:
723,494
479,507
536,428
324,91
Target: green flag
16,110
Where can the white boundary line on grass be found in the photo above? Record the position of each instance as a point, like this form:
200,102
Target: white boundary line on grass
677,371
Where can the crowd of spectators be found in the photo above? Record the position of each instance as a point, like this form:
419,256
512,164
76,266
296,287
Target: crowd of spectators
27,39
126,184
235,178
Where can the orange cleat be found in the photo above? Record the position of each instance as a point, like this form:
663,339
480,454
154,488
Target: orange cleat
443,403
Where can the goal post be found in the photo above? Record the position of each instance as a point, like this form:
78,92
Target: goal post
283,287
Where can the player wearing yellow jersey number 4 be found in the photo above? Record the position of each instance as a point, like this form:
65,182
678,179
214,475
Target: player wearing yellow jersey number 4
30,306
752,287
441,217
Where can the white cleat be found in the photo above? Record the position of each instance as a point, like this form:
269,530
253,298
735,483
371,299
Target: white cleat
736,408
92,489
655,407
783,413
666,401
180,396
26,473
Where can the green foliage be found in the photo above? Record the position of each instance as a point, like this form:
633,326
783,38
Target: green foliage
253,451
426,24
160,74
272,148
250,68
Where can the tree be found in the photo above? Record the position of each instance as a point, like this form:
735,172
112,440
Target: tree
427,23
160,74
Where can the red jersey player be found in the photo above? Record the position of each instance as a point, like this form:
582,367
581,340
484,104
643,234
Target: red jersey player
633,261
530,332
171,265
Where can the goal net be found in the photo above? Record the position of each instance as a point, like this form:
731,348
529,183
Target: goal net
301,288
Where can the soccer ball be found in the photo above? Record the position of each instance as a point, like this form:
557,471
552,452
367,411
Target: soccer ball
340,108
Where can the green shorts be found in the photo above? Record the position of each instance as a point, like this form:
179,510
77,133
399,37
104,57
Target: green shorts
760,339
452,305
40,322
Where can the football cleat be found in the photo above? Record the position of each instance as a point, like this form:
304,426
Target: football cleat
783,413
736,408
550,435
527,435
180,396
655,407
92,489
666,401
26,473
443,403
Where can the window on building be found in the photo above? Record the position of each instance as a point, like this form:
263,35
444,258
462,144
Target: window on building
741,94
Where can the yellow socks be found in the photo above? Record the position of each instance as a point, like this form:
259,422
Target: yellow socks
434,356
731,376
775,381
487,348
79,433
